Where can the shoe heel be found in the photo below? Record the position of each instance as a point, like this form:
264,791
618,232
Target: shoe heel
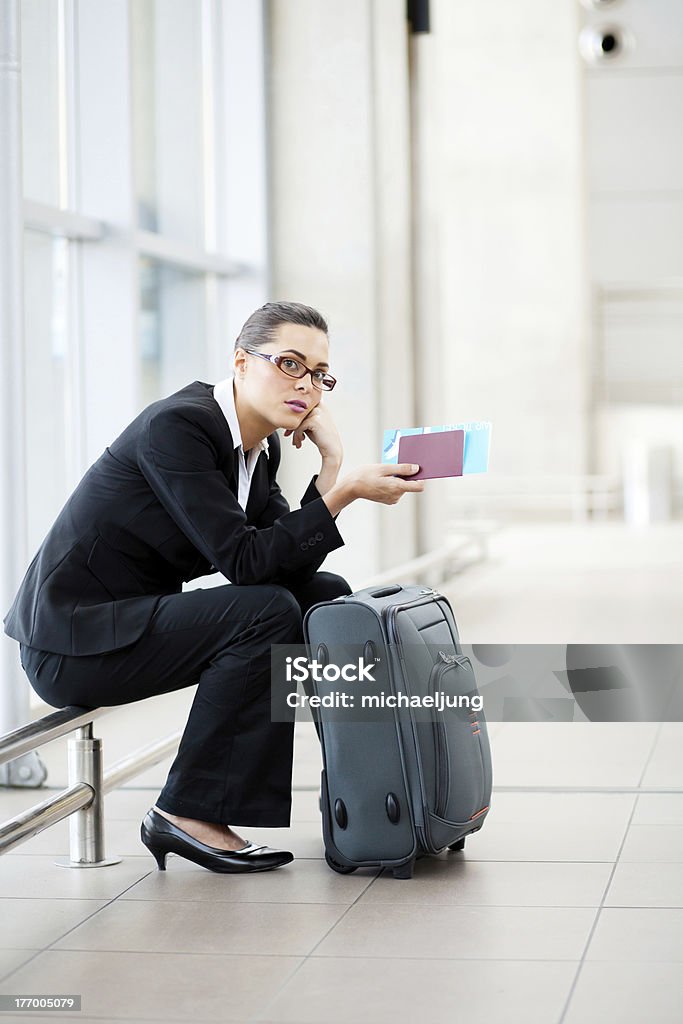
159,856
157,852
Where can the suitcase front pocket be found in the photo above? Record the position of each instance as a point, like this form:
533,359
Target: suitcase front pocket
460,777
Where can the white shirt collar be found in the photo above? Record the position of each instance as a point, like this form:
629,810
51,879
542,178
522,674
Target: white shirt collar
225,396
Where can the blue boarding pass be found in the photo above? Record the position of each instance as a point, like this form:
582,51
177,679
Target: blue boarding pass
476,450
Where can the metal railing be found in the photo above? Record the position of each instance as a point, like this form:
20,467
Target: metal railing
580,497
466,545
83,801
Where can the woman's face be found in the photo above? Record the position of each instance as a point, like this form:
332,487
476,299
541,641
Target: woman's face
268,391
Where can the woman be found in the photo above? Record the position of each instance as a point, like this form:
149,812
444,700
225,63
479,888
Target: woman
189,488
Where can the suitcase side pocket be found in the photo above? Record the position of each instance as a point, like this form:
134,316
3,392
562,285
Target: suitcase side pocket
462,777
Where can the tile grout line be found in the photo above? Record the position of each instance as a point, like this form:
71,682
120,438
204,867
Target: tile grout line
310,953
45,949
331,956
592,931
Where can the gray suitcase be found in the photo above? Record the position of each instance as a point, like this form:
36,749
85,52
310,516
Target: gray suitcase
400,782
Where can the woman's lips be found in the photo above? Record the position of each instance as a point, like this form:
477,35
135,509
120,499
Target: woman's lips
298,406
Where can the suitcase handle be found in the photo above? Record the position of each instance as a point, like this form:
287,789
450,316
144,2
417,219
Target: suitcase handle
387,591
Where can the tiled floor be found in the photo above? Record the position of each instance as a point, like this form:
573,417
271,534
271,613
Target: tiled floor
567,908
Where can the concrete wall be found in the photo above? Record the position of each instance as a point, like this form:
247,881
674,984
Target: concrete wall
340,233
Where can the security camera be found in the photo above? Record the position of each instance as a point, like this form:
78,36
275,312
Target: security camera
601,43
596,5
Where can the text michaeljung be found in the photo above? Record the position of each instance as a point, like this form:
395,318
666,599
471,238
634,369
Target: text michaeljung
437,700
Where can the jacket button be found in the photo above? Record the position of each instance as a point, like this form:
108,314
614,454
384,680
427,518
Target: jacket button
311,541
303,545
319,536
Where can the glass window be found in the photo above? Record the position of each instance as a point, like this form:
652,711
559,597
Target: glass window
168,117
47,423
173,347
42,115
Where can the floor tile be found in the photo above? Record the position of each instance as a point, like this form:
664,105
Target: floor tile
304,881
383,991
122,985
596,809
305,805
659,809
576,754
29,1017
665,767
538,841
654,843
10,959
492,933
628,993
646,885
638,934
165,926
449,880
34,924
40,877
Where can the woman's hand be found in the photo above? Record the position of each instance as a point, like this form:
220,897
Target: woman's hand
382,482
320,427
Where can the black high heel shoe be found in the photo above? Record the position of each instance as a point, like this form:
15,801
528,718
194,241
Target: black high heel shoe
162,837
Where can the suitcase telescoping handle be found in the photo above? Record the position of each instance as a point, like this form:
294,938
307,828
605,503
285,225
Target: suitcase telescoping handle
388,591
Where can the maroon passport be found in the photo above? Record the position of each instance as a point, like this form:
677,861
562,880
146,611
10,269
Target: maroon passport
439,454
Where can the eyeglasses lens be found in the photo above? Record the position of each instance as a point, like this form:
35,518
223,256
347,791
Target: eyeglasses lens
293,368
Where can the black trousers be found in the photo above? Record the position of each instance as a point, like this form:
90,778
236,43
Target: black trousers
234,765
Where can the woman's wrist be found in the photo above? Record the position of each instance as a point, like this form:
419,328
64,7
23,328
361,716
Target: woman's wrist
332,461
327,477
339,496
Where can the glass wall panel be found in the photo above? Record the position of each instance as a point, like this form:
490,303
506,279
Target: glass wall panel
168,117
173,348
47,388
42,118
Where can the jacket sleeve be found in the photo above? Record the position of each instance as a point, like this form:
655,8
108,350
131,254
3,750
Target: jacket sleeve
179,458
278,506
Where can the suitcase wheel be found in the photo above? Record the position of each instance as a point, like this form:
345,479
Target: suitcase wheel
460,845
404,870
341,869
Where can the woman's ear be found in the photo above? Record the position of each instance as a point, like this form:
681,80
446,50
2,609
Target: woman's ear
239,363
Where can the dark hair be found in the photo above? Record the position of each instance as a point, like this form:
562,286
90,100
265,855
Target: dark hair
261,326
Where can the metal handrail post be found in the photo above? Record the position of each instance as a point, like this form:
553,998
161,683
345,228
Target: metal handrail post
86,826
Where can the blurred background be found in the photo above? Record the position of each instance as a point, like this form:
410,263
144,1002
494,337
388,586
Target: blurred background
484,200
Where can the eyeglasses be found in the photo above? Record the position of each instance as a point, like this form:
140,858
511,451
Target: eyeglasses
293,368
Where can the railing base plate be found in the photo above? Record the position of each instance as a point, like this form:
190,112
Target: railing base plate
96,864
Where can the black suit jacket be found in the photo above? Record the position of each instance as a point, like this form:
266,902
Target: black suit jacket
159,507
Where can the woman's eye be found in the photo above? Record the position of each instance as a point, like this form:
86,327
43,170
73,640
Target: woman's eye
319,375
291,364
